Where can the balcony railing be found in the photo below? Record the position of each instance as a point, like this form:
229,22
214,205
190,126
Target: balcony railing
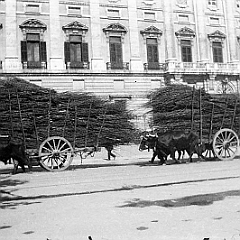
202,67
154,66
34,65
123,65
77,65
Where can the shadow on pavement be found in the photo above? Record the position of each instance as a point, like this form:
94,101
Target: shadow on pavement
197,200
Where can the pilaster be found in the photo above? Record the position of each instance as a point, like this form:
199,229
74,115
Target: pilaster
135,60
11,62
169,35
97,62
55,50
230,30
201,33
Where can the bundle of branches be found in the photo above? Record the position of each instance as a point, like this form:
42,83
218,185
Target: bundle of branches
180,107
33,113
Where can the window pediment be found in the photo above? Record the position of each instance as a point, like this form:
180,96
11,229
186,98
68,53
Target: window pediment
185,32
75,26
217,35
33,24
151,31
115,27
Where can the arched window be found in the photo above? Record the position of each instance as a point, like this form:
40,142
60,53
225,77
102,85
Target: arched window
33,46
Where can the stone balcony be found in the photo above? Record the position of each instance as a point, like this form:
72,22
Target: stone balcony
203,68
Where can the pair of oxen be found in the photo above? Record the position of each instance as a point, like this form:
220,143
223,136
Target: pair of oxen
169,143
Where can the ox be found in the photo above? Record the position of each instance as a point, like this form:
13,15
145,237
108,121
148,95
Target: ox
170,142
16,152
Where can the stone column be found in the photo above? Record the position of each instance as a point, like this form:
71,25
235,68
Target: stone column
201,33
12,61
169,34
230,30
97,62
55,45
135,60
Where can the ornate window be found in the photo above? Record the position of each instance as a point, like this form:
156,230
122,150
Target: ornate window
115,34
151,36
185,40
216,42
33,46
75,47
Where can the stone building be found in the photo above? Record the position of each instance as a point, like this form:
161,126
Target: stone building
122,49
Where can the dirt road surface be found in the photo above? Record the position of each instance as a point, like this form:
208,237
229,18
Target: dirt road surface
125,199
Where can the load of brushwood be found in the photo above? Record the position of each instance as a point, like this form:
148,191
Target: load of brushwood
33,113
181,107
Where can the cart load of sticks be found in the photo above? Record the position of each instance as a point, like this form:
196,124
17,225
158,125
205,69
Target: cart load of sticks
33,113
180,107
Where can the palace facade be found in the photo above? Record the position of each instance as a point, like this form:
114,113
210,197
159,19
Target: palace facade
122,49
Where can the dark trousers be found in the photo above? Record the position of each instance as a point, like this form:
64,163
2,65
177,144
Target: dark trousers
110,154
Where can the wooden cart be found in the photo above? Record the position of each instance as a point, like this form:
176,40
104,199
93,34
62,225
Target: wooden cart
224,144
56,153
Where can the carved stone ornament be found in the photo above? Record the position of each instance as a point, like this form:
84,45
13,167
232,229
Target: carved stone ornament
33,24
75,26
225,87
115,27
217,35
185,32
151,32
182,3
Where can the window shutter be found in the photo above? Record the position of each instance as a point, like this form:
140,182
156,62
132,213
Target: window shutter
67,51
24,51
85,52
43,51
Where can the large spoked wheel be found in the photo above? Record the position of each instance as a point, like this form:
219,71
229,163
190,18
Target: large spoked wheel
225,144
55,153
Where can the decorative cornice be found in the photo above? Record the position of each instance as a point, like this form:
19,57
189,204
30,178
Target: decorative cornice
185,32
34,24
115,27
75,26
151,30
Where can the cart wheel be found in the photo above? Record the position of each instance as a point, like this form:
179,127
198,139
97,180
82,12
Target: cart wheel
225,144
55,153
